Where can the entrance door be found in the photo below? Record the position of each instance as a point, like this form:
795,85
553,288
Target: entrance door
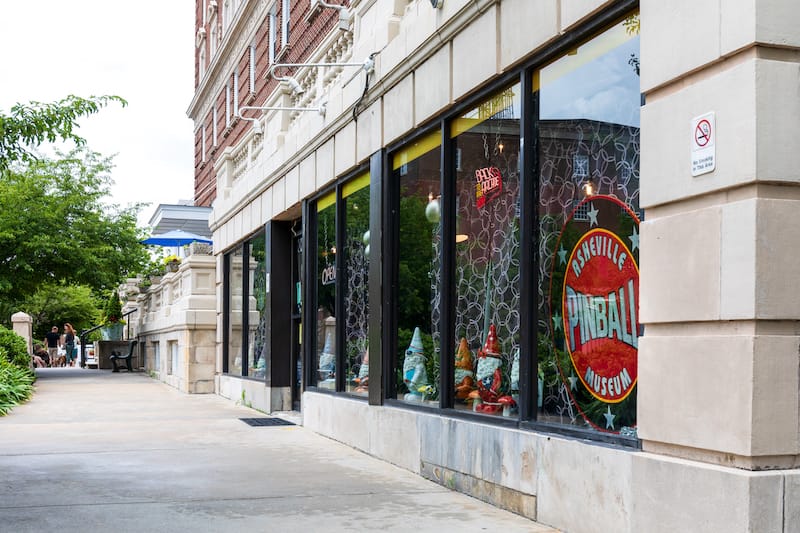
297,314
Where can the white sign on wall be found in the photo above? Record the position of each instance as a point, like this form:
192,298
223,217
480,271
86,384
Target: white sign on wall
704,153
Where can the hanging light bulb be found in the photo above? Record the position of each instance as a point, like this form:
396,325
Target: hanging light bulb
432,211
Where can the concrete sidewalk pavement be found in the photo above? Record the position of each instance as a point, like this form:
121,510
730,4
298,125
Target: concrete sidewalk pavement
96,451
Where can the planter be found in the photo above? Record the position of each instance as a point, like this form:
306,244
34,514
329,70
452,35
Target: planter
172,266
112,332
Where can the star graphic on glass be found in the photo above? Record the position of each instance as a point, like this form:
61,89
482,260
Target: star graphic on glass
557,321
592,213
562,255
572,381
634,240
609,418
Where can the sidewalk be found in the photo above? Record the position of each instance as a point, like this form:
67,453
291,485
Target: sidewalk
96,451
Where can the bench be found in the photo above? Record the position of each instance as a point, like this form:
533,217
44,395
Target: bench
116,356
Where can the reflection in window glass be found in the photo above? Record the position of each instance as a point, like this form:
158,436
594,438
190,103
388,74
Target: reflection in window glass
355,195
325,357
588,233
416,363
235,300
487,275
257,324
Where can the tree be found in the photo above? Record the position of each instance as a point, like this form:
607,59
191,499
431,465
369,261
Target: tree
54,304
30,125
55,228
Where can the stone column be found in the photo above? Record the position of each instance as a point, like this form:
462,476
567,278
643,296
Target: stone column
22,324
718,363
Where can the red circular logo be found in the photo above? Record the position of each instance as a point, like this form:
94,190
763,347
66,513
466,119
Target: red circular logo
600,302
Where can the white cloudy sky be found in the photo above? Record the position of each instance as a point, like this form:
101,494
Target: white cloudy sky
142,52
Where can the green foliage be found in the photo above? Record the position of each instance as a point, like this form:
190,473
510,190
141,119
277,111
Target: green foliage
30,125
54,227
415,255
53,304
16,384
113,308
15,348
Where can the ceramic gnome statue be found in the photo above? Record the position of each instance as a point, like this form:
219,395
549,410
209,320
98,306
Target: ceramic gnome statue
363,374
489,374
327,359
464,377
414,374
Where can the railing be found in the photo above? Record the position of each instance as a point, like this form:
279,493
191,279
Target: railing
83,336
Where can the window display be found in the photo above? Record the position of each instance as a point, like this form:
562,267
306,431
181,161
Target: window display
355,195
588,233
487,251
416,175
325,357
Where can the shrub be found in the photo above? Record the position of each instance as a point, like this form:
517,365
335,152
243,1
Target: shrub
15,348
16,384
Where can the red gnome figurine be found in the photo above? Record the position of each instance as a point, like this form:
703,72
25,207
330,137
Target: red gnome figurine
490,377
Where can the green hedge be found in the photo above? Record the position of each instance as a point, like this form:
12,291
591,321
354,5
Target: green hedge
16,377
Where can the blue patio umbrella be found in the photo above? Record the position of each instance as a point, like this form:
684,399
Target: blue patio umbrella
175,238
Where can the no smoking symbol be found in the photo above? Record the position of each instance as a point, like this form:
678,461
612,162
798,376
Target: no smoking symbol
702,133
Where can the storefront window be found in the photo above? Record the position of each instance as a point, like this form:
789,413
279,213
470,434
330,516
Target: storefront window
235,311
355,195
588,149
487,253
257,323
325,357
416,173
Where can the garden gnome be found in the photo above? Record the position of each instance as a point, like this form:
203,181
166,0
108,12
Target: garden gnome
414,374
464,377
327,359
490,377
363,374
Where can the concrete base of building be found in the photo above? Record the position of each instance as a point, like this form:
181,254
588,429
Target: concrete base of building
570,484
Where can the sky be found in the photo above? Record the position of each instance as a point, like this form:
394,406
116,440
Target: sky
143,52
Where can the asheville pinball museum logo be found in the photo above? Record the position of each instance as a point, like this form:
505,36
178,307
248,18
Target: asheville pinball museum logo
599,305
594,303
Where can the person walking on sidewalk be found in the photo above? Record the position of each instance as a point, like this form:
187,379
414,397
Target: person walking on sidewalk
69,343
52,340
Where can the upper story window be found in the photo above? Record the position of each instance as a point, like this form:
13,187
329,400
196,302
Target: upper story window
227,13
228,104
285,12
235,93
252,72
202,62
216,34
273,32
214,119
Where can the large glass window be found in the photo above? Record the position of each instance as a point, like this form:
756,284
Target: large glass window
355,254
325,356
257,304
416,174
342,264
247,312
487,251
235,310
588,158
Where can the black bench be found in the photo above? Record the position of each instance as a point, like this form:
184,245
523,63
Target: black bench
116,356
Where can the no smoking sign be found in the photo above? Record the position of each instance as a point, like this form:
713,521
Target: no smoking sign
704,153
